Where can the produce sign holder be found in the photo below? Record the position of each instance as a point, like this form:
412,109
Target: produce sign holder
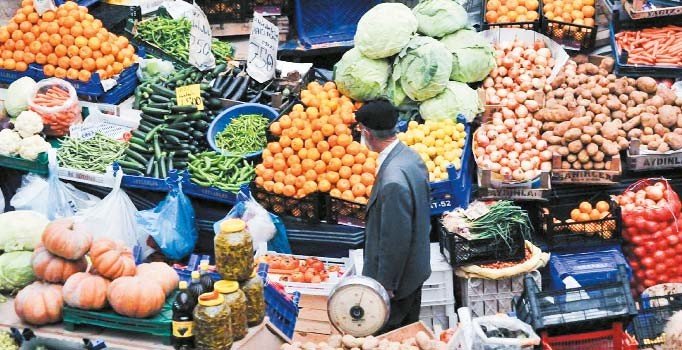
345,212
610,339
569,236
571,36
489,297
38,166
309,208
586,177
634,9
459,251
622,67
638,161
159,325
529,25
322,22
653,317
210,193
576,308
537,189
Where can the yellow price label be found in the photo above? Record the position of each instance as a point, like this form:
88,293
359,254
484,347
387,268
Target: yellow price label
190,95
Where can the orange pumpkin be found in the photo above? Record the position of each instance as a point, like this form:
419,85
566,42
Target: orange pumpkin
67,239
112,259
136,296
86,291
51,268
160,272
39,303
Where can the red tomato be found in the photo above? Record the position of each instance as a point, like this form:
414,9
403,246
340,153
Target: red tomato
297,277
650,246
669,253
308,276
660,269
648,283
651,226
640,275
635,239
648,262
651,274
639,252
316,279
663,279
640,223
662,244
318,266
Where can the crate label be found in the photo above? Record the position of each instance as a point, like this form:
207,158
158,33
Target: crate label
42,6
446,203
514,193
200,39
658,161
584,176
190,95
263,43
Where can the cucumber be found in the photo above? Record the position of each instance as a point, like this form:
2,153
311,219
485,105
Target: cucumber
159,99
153,120
180,126
160,90
138,148
177,133
155,112
130,164
184,109
172,139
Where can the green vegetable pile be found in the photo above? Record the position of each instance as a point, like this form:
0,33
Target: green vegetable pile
245,134
94,154
172,36
227,173
16,271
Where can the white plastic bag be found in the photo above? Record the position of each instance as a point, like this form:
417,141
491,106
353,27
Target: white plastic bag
258,221
505,324
51,198
114,218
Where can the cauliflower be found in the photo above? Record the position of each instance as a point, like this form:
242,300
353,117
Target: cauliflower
32,146
9,142
28,123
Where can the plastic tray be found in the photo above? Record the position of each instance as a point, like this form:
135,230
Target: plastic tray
222,120
322,288
439,288
38,166
159,325
486,297
651,321
576,309
531,25
308,208
210,193
325,21
611,339
574,37
589,269
442,315
459,251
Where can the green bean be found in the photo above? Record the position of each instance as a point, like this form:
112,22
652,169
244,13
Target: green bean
245,134
227,173
94,154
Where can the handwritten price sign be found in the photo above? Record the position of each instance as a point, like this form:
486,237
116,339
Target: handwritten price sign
200,37
190,95
263,44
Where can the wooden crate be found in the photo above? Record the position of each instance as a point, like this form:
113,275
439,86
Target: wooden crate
264,336
244,28
313,324
407,332
651,161
586,177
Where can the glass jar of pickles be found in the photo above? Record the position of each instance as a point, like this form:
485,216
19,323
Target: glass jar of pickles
212,323
236,301
255,302
234,250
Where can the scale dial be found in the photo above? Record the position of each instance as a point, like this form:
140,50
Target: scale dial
358,306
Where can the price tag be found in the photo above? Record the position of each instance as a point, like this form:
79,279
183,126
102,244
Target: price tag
200,38
42,6
263,44
190,95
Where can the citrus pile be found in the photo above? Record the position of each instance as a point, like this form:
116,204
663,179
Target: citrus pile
69,43
438,143
510,11
579,12
316,151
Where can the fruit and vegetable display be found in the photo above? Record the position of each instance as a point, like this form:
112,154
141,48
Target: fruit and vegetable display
510,11
498,220
652,46
68,42
421,341
292,269
510,144
228,173
244,135
438,143
237,85
94,154
575,12
588,219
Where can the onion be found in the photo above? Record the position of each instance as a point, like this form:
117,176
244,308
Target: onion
537,83
505,172
507,114
482,139
518,148
524,156
546,155
521,111
495,156
490,148
492,134
513,155
514,163
508,145
495,167
504,162
507,62
495,72
527,146
540,61
526,165
511,102
497,119
520,96
514,73
518,175
488,82
495,100
502,71
544,52
541,145
502,93
521,136
532,105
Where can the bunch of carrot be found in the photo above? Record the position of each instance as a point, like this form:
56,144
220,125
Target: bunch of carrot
57,107
654,46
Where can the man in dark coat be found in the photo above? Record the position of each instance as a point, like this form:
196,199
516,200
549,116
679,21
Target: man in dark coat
397,252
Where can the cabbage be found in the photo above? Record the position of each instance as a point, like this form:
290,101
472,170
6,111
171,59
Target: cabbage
17,96
423,68
438,18
395,93
361,78
384,30
458,98
473,58
21,229
16,270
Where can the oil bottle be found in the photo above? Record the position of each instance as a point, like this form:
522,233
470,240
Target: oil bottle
183,319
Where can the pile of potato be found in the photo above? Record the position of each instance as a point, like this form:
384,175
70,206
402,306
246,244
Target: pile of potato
348,342
590,115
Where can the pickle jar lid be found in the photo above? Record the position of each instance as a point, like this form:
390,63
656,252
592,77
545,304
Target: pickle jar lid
211,299
232,225
183,285
195,274
226,287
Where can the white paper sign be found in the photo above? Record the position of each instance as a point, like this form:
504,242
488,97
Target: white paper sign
42,6
263,44
200,37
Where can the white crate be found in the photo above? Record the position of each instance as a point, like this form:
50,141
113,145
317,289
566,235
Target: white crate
88,177
443,315
488,297
323,288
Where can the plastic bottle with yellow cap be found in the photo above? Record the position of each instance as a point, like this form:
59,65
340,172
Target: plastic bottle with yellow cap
233,250
255,300
212,323
236,300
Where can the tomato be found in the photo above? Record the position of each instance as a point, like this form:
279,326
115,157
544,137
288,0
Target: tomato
648,262
663,279
669,253
650,246
660,269
316,279
640,275
651,274
308,276
635,239
651,226
640,223
639,252
318,266
648,283
297,277
662,244
291,264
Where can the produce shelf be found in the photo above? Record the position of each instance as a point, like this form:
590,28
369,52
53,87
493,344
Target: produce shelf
638,161
38,166
459,251
586,177
34,72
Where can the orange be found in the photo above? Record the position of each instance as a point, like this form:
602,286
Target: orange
72,51
18,56
355,179
296,144
21,66
289,191
279,176
347,160
19,45
335,193
369,191
491,16
6,54
64,62
307,164
72,73
359,190
86,52
68,40
295,169
76,62
354,148
348,195
285,141
338,152
17,35
334,164
268,186
275,128
26,10
369,167
60,72
9,64
310,175
33,18
322,146
367,179
343,185
320,167
286,152
357,169
9,44
588,11
34,47
81,41
46,49
41,58
360,158
309,187
4,35
88,63
327,130
344,140
48,16
326,156
52,59
332,177
76,30
101,62
313,154
278,188
303,153
53,28
274,147
60,50
291,160
19,18
345,172
289,179
29,57
324,186
268,174
585,207
279,164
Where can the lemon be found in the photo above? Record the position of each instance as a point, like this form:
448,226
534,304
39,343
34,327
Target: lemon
459,127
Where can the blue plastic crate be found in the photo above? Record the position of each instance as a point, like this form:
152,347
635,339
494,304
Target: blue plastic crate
86,3
211,193
281,309
8,76
325,21
148,183
456,190
185,273
589,268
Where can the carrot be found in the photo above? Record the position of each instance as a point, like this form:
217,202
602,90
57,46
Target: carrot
656,46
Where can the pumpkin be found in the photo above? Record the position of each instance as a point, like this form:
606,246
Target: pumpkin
67,239
112,259
51,268
160,272
86,291
39,303
136,296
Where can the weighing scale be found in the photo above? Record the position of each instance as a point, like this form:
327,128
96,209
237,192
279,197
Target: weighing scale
358,306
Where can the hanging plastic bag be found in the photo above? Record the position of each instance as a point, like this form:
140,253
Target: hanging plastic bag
171,223
114,218
56,101
51,198
506,327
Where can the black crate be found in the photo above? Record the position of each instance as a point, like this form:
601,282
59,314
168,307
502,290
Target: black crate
576,309
308,208
574,236
529,25
571,36
218,11
459,251
341,211
653,316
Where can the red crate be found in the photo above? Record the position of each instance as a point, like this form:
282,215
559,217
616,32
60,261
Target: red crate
610,339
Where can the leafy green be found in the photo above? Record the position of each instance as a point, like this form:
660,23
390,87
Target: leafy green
16,271
473,58
361,78
423,68
457,98
384,30
437,18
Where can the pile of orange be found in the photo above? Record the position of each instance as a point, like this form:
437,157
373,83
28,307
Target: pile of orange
570,11
69,43
511,11
316,151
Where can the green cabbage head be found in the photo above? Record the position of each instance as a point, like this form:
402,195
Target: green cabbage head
16,270
473,58
21,229
438,18
423,68
384,30
361,78
458,98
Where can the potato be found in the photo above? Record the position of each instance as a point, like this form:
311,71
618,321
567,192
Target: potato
610,130
575,146
678,102
613,104
648,131
350,341
583,157
423,341
634,133
561,128
598,166
674,140
667,95
632,123
655,101
610,148
678,131
638,96
563,151
598,139
598,157
585,138
592,149
607,64
633,112
576,165
607,165
590,130
572,158
668,115
647,84
663,147
309,346
565,165
588,165
370,343
335,341
572,134
619,115
660,130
